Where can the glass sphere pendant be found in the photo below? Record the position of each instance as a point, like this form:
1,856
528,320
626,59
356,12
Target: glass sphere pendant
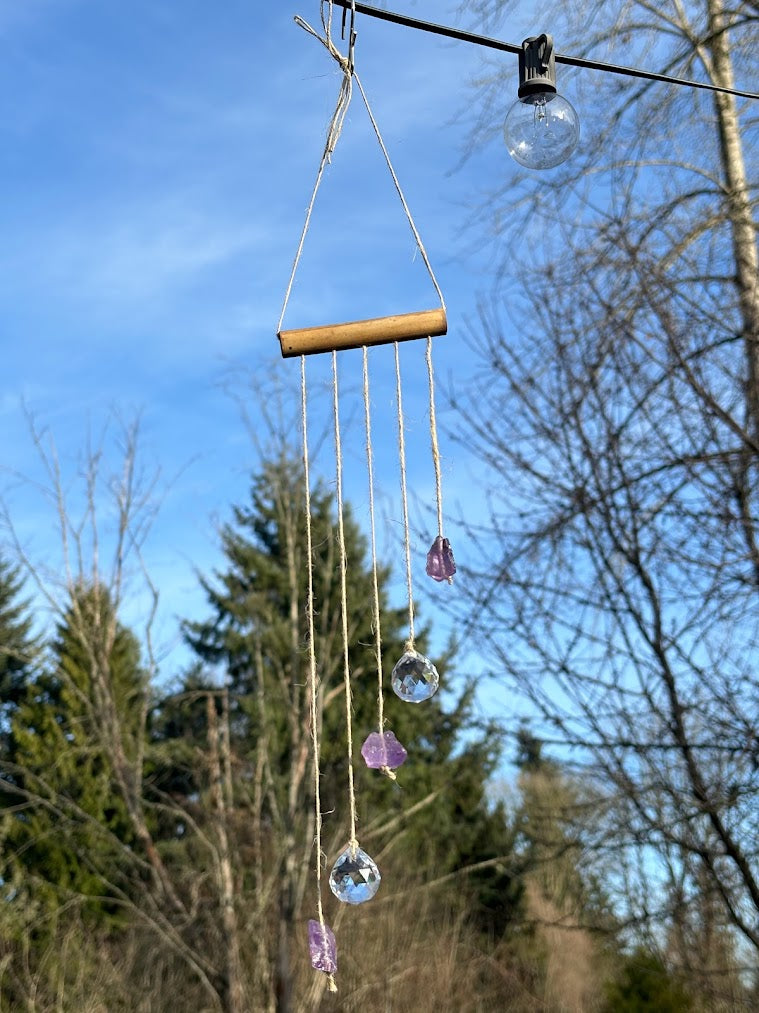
355,877
415,678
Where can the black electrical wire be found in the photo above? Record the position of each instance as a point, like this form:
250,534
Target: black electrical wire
508,47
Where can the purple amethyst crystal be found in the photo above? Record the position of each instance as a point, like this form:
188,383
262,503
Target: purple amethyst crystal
382,749
322,946
440,562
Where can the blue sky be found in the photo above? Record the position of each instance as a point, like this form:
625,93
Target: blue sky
156,161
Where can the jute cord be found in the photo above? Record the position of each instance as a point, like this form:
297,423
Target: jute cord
409,216
433,439
333,130
312,673
353,842
404,497
373,545
347,66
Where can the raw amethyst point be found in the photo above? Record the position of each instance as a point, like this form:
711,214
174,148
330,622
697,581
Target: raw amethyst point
440,561
382,749
322,947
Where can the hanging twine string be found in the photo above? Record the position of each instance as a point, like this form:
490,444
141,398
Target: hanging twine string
399,191
433,440
347,66
335,125
375,583
312,665
353,841
404,498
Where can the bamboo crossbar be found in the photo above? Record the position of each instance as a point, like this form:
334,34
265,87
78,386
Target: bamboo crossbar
357,333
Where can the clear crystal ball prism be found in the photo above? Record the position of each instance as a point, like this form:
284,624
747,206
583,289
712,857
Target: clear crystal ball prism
355,877
415,678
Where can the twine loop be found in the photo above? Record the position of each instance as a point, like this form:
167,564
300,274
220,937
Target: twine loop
346,63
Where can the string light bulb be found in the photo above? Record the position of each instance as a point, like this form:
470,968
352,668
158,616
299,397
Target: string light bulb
541,128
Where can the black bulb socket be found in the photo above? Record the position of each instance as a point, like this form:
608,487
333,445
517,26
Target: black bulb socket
537,67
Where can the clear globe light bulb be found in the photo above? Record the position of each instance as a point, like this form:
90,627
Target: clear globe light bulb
541,130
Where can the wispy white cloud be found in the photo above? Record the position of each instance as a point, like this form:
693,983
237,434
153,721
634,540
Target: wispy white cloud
145,256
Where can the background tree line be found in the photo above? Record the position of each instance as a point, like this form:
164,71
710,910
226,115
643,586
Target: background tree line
158,839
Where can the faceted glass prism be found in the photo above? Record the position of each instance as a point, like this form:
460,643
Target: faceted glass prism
322,947
415,678
382,749
354,878
440,562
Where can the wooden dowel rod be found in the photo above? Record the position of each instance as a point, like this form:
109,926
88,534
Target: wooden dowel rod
356,333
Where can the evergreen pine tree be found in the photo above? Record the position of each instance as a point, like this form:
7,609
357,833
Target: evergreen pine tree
645,984
18,647
257,635
66,834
